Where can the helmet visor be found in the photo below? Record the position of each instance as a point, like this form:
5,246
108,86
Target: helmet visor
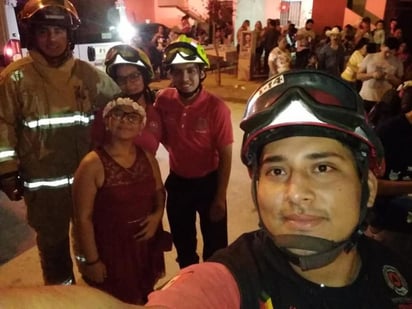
183,51
334,103
305,100
126,54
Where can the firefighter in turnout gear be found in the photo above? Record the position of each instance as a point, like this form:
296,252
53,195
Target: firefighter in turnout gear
48,101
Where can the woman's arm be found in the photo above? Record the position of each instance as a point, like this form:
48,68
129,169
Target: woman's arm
87,179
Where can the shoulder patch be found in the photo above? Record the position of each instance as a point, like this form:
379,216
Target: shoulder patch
395,280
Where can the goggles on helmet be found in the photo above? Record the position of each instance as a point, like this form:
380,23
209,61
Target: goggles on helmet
185,50
126,54
306,103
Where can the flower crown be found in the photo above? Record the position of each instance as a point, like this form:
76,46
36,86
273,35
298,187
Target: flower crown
124,101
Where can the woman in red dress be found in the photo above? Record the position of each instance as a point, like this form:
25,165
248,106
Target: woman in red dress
118,204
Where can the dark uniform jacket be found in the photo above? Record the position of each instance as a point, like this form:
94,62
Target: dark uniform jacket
266,280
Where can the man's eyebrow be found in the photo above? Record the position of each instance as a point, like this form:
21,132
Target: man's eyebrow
325,154
311,156
273,159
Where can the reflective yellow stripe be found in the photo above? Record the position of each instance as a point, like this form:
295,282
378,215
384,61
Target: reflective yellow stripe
50,183
7,153
58,121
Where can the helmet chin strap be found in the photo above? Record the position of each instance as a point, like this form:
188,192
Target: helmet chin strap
325,251
187,95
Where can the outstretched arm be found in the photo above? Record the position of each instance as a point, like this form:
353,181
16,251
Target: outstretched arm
48,297
87,180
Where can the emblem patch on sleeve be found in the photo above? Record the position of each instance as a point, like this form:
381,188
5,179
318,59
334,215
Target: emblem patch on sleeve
395,280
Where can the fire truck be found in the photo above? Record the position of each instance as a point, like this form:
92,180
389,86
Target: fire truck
101,28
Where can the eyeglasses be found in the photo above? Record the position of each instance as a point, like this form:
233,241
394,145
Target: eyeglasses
133,77
130,117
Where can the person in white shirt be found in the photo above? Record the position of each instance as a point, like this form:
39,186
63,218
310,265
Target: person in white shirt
380,72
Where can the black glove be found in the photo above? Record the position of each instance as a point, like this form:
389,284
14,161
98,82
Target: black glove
12,185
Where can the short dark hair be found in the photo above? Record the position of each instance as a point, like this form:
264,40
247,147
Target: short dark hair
372,48
392,43
361,43
380,21
366,20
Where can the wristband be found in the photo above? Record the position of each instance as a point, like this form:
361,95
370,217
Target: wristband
81,259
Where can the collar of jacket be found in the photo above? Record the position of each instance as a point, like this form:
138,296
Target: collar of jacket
49,72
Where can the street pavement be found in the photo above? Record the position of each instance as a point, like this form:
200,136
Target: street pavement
17,248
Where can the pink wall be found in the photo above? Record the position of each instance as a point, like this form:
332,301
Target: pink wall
328,13
376,7
169,16
351,18
138,10
334,12
324,12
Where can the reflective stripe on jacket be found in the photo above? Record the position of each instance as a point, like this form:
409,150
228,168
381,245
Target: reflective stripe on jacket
46,115
36,184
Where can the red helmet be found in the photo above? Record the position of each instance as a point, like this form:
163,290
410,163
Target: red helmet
308,103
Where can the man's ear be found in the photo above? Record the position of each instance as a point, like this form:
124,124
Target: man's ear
202,74
373,188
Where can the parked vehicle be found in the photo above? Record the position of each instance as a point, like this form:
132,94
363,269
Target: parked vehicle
101,28
10,48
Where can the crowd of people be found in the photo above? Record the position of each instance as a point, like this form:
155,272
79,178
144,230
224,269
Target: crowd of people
156,45
79,145
336,50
